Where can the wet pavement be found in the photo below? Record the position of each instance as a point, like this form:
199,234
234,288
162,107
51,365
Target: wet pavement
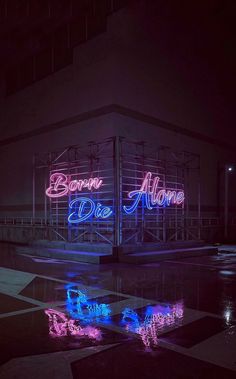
60,319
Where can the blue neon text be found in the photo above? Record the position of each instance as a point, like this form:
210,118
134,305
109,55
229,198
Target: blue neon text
83,208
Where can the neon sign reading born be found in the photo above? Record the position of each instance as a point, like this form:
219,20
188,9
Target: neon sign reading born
152,195
61,185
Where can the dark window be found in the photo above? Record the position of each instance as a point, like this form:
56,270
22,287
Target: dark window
43,64
26,73
96,25
62,57
17,8
59,8
61,37
102,7
82,7
117,4
12,80
39,8
77,31
2,10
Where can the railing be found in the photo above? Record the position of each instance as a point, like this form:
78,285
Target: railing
191,222
40,221
192,228
30,222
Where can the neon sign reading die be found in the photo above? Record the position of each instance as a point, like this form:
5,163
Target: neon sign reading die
83,208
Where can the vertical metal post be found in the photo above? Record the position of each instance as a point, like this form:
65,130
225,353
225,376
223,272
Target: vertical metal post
45,197
183,205
186,209
199,199
33,191
176,210
143,207
49,236
163,209
117,184
226,203
187,225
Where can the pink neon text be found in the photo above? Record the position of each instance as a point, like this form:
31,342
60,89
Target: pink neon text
62,185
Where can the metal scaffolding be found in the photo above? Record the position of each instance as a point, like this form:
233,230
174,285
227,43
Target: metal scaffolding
94,160
175,170
121,164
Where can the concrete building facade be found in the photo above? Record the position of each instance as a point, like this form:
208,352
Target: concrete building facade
121,85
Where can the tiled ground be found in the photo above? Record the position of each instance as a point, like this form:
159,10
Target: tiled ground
200,343
11,304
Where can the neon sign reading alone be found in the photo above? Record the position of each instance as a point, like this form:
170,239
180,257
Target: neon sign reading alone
82,208
152,195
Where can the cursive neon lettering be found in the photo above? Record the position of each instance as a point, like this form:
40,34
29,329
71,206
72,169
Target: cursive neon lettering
151,195
83,208
61,185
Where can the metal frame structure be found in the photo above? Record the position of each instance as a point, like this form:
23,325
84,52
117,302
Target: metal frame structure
175,170
121,163
95,159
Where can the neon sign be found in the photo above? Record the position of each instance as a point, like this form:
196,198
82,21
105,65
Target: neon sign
152,195
61,185
83,208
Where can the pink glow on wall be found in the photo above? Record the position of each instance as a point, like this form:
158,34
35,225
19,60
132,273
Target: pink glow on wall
62,185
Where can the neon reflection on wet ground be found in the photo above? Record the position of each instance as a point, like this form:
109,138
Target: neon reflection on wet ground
156,317
79,307
82,312
61,326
